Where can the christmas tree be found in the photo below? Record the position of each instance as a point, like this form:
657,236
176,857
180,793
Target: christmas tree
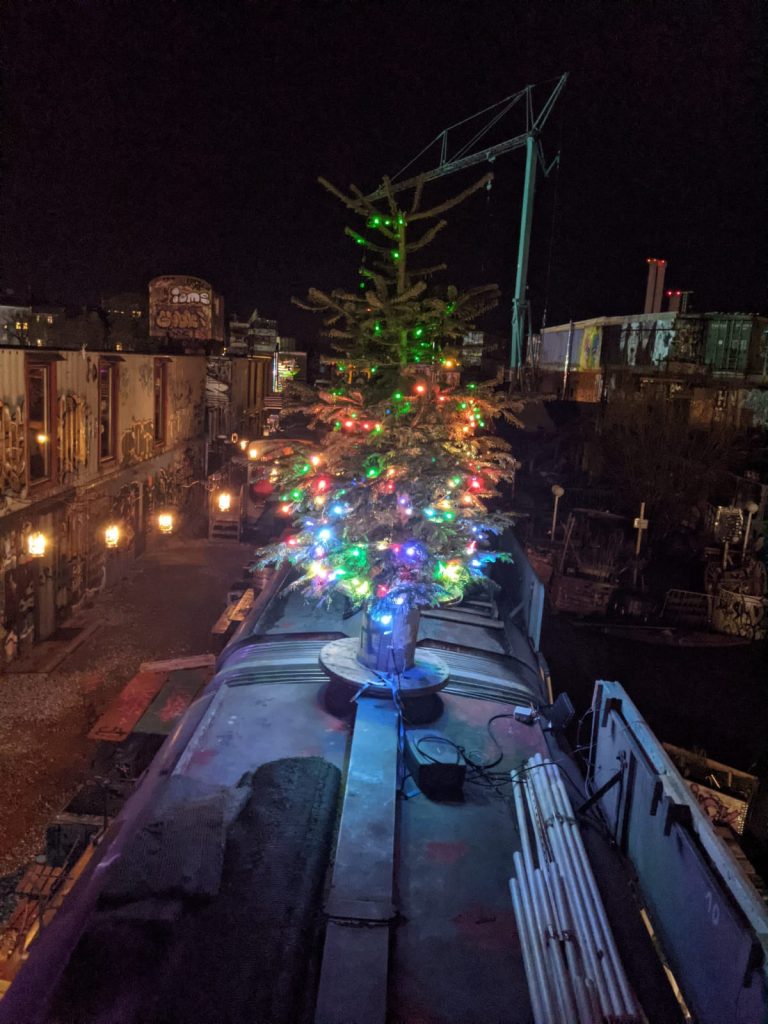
390,508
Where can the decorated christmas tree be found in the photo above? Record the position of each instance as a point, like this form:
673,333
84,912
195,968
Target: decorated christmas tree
390,507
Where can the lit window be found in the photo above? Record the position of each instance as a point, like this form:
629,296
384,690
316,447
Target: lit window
107,422
49,318
39,421
18,325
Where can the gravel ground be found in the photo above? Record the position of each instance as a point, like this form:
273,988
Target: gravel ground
164,608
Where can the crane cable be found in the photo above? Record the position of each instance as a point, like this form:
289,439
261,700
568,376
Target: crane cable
553,220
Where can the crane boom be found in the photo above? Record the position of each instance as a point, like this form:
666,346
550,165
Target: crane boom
528,139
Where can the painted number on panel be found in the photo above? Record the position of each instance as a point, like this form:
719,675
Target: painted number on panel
713,907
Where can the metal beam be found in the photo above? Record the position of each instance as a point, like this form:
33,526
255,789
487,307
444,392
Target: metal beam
530,139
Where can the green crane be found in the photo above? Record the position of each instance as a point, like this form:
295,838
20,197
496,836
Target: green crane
463,158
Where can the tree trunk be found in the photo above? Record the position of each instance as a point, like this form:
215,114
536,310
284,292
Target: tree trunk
388,641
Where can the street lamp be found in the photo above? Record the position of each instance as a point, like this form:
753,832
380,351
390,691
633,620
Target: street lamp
112,535
558,492
36,544
750,508
165,522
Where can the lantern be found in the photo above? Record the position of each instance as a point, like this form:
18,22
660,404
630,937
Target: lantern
112,535
165,522
36,544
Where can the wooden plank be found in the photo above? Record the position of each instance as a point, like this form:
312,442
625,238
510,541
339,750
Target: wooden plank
38,880
223,622
172,701
243,606
121,716
192,661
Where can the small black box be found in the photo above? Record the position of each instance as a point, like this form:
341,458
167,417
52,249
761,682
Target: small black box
435,765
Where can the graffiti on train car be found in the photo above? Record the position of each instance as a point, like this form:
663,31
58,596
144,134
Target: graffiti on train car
71,437
137,442
11,449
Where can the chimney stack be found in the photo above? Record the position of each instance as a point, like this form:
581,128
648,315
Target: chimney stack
677,301
654,290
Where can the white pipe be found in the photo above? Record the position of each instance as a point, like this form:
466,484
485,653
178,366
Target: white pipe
522,827
609,1000
563,985
580,914
630,1002
549,950
571,946
542,846
544,989
526,947
582,875
542,912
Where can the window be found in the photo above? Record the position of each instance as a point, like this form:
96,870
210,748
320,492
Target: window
107,410
161,392
40,425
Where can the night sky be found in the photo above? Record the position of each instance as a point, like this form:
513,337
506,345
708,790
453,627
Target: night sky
147,137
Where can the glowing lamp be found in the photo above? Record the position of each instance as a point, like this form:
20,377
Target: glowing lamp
224,501
112,535
36,544
420,389
285,508
243,444
165,522
253,453
315,460
42,439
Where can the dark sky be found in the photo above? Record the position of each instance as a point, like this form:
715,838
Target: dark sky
145,137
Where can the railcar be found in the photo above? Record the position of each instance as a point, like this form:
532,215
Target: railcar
305,849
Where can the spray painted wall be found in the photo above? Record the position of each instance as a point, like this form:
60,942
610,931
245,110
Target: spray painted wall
86,488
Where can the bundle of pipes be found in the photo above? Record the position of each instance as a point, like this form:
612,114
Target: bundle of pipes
571,960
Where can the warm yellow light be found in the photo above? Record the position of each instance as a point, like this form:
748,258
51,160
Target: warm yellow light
112,535
286,508
42,439
224,501
253,453
315,460
36,544
243,444
165,522
448,364
319,500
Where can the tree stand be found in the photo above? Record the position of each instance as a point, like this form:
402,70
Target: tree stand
384,659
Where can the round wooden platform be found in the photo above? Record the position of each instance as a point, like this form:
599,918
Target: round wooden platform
338,660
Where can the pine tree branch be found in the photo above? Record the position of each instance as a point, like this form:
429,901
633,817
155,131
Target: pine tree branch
450,203
427,237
